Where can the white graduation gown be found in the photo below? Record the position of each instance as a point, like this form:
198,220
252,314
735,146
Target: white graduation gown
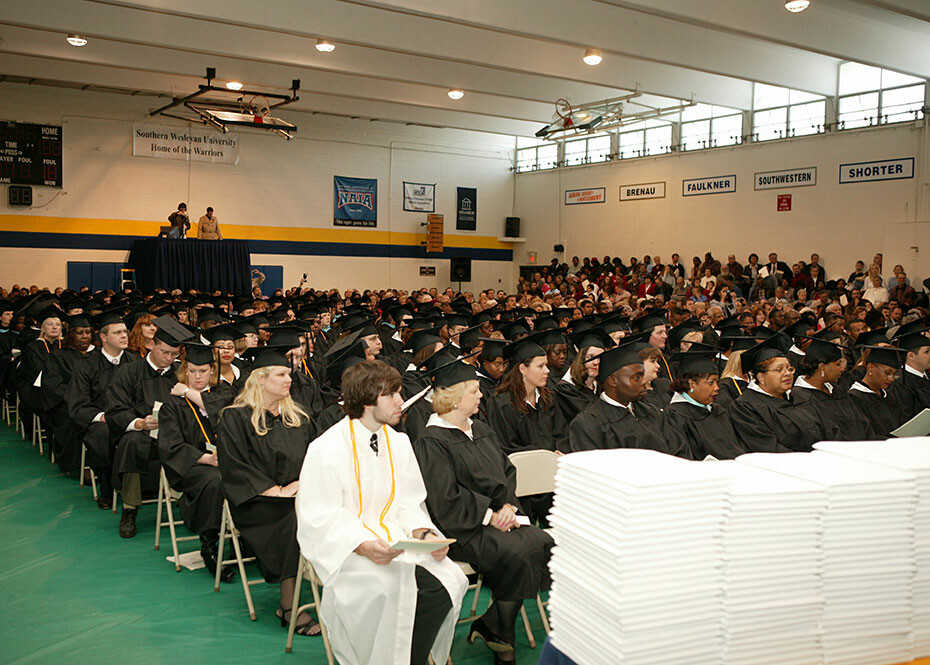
369,609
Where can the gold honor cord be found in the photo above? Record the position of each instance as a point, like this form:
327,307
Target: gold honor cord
48,350
358,481
667,368
197,416
306,369
736,383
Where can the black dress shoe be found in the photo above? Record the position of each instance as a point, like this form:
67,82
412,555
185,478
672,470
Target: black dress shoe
105,501
127,523
479,629
209,556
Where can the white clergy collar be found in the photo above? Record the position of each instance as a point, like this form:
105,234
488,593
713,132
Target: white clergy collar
613,402
160,370
755,386
803,383
861,387
794,349
236,373
113,359
534,404
396,336
911,370
411,367
436,420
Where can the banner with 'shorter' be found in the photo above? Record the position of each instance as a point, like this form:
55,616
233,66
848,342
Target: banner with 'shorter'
355,201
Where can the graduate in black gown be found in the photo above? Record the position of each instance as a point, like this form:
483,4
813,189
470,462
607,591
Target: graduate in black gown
59,369
187,449
35,356
471,497
620,418
491,367
654,325
578,388
130,402
821,366
764,418
871,396
262,439
690,411
912,390
86,398
658,393
733,381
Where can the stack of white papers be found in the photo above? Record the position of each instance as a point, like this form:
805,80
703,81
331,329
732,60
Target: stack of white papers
869,554
908,455
773,568
637,573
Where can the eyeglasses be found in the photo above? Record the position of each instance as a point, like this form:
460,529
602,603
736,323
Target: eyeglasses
782,370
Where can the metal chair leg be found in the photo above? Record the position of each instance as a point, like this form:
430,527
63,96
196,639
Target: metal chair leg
295,607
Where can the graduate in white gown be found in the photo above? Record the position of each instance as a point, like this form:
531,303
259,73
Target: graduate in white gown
360,490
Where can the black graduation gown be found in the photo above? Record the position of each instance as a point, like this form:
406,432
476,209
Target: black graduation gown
572,399
249,465
9,340
540,427
707,432
912,393
730,389
86,396
883,411
66,442
795,359
389,345
488,388
665,371
658,398
331,415
417,415
840,418
32,362
603,426
305,390
132,394
413,382
399,361
767,424
465,478
183,434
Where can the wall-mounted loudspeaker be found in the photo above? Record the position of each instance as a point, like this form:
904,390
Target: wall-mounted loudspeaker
460,269
512,227
558,248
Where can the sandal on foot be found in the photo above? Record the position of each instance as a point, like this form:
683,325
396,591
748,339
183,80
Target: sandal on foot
306,629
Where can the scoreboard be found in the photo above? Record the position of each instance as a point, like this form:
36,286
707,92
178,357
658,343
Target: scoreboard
30,154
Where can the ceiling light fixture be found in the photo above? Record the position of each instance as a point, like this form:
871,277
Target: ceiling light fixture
234,85
592,57
455,93
77,40
795,6
325,46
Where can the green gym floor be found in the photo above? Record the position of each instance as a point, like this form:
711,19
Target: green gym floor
72,592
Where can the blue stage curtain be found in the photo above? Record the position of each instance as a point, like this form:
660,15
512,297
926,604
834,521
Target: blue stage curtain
205,265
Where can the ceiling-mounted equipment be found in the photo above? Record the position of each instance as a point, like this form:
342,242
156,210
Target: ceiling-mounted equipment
325,46
455,93
76,40
795,6
215,106
570,121
592,57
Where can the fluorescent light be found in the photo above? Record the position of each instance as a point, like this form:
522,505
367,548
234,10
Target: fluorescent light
234,85
77,40
325,46
592,56
795,6
455,93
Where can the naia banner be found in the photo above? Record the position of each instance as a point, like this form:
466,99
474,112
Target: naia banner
355,202
419,197
184,143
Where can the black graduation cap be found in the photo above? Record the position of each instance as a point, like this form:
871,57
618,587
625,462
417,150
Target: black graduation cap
452,373
872,337
285,336
108,316
468,339
457,320
731,321
582,339
677,333
522,351
420,323
584,323
423,338
78,321
268,356
696,361
170,331
563,312
46,313
207,315
492,348
649,321
482,317
6,305
917,325
198,354
615,323
912,341
547,337
619,357
242,302
758,354
800,328
826,335
824,351
514,328
362,322
737,342
762,332
247,326
225,332
546,322
398,313
886,355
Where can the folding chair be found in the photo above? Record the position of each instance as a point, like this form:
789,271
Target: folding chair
167,496
38,434
84,469
7,409
535,475
20,425
306,570
228,531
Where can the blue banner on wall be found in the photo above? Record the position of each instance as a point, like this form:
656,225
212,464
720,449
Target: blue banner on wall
466,206
355,202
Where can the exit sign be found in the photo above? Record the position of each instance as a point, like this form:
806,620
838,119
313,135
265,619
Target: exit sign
784,202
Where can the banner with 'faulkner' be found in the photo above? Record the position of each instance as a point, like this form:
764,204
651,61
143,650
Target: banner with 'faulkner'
184,143
355,201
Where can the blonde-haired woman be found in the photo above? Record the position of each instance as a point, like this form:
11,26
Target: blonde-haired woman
262,439
470,487
733,381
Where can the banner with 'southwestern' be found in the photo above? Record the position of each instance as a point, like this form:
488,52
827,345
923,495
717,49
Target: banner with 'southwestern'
185,144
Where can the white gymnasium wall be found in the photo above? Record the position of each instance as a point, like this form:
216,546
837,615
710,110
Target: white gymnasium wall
284,185
842,223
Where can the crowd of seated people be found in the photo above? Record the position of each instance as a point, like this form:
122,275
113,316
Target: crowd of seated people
711,360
